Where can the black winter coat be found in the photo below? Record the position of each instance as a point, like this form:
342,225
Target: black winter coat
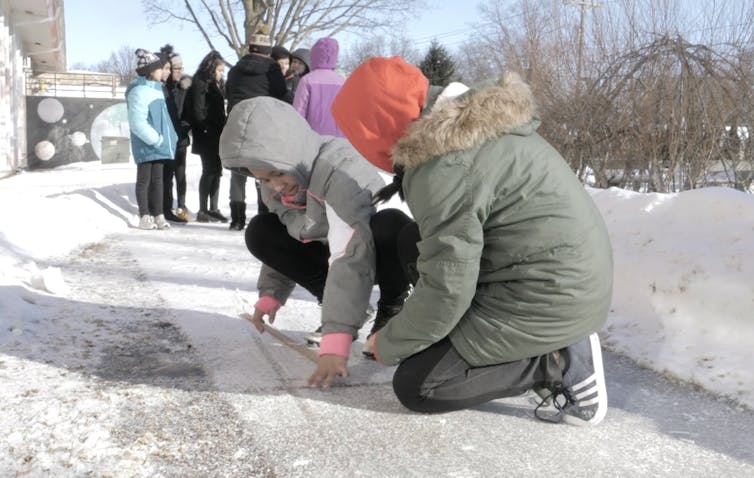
254,75
206,104
175,98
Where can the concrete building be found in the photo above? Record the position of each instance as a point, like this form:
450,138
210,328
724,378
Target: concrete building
32,41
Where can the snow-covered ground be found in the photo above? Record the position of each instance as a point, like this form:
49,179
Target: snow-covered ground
683,301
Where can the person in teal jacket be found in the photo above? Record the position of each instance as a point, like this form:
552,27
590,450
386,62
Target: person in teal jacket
153,137
510,257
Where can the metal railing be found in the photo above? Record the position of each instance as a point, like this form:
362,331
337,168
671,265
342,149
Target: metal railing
79,85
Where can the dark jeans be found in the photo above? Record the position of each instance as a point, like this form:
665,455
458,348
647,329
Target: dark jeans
149,188
177,169
238,192
237,187
307,263
209,182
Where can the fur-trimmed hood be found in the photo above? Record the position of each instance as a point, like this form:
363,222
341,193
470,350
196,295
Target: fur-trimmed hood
468,121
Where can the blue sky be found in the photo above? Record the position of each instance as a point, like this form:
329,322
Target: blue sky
97,28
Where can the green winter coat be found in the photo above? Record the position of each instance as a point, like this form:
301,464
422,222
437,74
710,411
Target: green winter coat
515,260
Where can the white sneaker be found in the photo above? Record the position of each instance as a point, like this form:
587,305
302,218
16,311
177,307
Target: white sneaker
160,222
147,222
581,399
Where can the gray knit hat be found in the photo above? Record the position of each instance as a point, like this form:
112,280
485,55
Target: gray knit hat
303,54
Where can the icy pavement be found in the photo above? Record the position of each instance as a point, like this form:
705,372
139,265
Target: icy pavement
145,370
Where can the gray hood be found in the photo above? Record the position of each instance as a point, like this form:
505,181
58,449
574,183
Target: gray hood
266,133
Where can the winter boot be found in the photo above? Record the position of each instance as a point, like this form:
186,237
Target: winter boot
216,215
183,213
173,217
203,216
582,397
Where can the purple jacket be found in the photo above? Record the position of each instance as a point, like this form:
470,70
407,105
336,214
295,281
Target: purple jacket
317,90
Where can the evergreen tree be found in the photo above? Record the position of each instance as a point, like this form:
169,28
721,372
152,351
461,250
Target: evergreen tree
437,65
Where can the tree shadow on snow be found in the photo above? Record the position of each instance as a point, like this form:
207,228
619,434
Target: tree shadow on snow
117,199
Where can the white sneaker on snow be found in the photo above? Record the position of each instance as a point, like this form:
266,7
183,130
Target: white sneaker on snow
147,222
160,222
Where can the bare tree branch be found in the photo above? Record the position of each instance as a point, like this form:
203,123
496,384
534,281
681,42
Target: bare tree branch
662,87
198,24
291,22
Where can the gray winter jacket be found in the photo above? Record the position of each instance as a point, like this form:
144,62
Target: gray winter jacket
333,205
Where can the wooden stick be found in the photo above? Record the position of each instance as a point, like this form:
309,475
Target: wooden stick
284,339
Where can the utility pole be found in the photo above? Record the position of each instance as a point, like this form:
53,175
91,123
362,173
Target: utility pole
584,6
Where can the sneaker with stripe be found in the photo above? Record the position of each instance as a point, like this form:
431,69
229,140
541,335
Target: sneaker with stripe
582,398
314,338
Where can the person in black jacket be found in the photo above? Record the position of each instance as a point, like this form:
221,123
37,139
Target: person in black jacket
281,55
176,86
256,74
205,106
300,67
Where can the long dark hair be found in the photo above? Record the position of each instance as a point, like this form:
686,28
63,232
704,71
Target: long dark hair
209,63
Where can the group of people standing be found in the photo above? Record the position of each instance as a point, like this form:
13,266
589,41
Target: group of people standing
159,130
199,105
495,285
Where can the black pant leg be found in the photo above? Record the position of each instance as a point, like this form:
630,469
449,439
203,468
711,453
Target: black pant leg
168,172
217,173
438,379
206,179
155,188
408,252
391,277
180,177
304,263
143,178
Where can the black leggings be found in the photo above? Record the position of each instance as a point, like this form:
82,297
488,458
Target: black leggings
307,263
177,169
149,188
438,379
209,182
